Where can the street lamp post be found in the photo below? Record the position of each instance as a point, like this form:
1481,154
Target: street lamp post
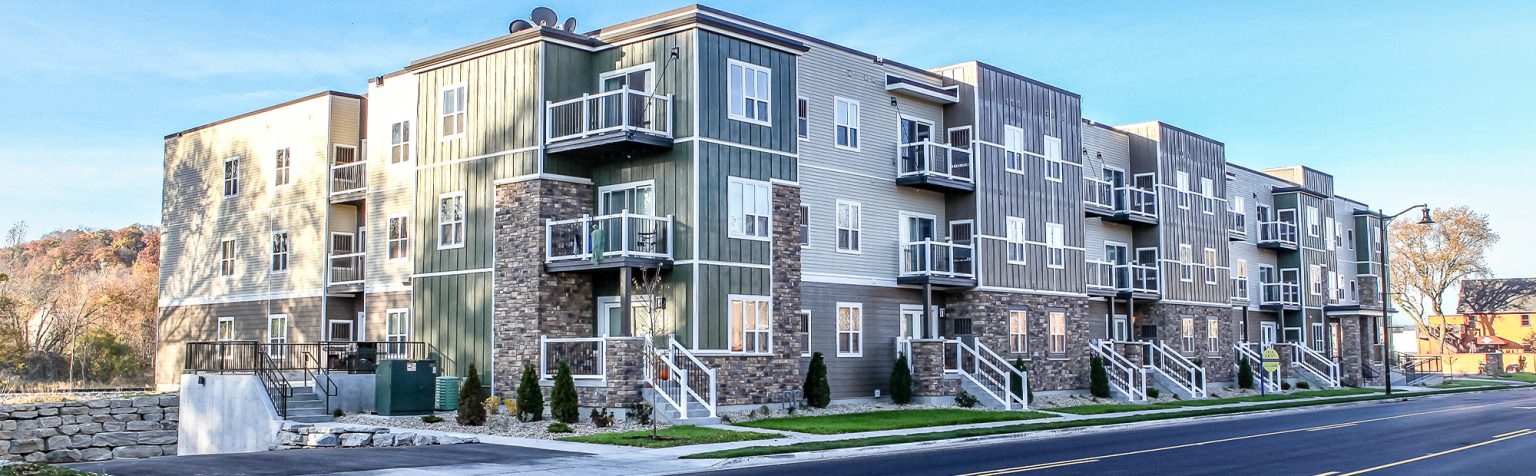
1386,329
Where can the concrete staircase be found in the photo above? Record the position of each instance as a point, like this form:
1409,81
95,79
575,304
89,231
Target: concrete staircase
306,406
697,414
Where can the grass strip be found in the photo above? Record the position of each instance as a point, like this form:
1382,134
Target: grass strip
1103,408
671,436
1053,425
888,420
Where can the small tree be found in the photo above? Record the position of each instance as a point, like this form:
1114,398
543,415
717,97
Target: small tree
471,400
563,397
901,381
530,398
1098,378
1016,385
1244,373
818,393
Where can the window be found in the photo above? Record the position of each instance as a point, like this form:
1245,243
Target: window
1187,263
1313,222
1207,196
1335,286
227,257
1238,207
1055,250
452,115
1057,323
1210,266
1317,337
749,207
1181,180
749,89
750,324
1315,273
1331,232
1525,320
1212,335
849,223
1013,149
803,118
283,167
400,142
231,176
450,220
805,334
1052,159
1240,279
805,226
1349,239
226,329
1188,326
846,122
277,335
280,252
399,237
850,329
397,328
1018,332
1017,253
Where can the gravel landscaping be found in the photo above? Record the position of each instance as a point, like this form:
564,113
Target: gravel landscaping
778,410
498,425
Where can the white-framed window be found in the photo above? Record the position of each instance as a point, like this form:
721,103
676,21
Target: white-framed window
1210,266
400,142
803,118
397,328
1187,325
750,206
1013,149
227,257
1332,233
751,324
279,252
1055,247
850,329
1375,238
1316,273
399,237
1018,332
849,226
231,176
751,89
1186,263
1056,323
450,220
805,337
845,119
1212,335
277,335
1207,196
282,167
1053,158
1238,206
805,226
225,330
1018,251
1181,180
452,115
1314,224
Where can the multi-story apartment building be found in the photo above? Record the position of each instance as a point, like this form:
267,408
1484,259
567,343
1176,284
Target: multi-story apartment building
747,196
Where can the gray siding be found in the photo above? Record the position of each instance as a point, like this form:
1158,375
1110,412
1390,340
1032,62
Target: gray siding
854,377
1201,158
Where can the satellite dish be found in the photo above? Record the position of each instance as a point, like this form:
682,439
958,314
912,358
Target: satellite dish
519,25
543,16
569,26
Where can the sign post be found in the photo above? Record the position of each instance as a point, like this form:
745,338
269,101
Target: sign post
1271,363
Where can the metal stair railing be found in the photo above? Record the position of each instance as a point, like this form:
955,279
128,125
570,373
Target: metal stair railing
1318,364
1176,368
314,374
689,382
1271,380
1128,378
991,373
278,389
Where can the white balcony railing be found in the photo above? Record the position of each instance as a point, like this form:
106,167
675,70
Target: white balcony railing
1144,278
620,234
1122,277
1102,275
927,158
1237,223
1281,293
613,111
1100,194
936,258
349,177
1277,232
1140,201
345,268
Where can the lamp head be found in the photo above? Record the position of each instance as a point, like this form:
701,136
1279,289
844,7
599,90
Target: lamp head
1426,220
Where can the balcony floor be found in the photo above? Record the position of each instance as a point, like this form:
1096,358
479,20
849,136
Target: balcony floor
1133,219
937,281
1279,245
936,183
612,262
616,142
1275,306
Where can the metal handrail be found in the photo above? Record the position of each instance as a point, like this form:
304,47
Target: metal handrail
1122,373
278,389
1176,368
935,258
921,158
582,238
1256,362
329,390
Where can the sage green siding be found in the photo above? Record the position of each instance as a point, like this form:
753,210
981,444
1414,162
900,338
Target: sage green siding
715,51
717,164
502,109
673,173
719,283
453,313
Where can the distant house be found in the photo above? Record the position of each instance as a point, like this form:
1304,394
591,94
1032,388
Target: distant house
1493,315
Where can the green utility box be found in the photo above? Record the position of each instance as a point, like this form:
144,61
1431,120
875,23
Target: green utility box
448,393
404,387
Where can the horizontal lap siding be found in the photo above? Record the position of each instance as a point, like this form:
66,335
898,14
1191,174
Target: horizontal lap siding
853,377
391,186
182,324
377,306
1105,148
1255,188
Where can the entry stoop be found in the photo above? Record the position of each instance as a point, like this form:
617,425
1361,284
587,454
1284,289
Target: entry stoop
697,414
305,406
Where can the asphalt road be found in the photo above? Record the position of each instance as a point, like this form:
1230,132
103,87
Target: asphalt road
1484,434
318,461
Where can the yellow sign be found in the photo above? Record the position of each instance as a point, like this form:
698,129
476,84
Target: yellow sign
1271,360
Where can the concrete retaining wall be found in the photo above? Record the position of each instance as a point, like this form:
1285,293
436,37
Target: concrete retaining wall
225,414
90,430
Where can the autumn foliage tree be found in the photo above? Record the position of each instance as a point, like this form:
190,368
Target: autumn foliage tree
1428,261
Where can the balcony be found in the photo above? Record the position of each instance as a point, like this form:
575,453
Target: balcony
349,181
932,166
1128,205
620,240
1280,296
1240,289
1237,226
344,272
622,120
1122,280
1278,235
937,263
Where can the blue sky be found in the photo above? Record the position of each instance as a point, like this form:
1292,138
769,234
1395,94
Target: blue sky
1403,102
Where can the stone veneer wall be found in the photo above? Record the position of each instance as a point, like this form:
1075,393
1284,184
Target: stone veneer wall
928,369
626,376
529,301
988,311
91,430
1350,350
1169,321
307,435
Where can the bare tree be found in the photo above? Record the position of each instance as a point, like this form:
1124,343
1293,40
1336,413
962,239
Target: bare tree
1427,261
646,288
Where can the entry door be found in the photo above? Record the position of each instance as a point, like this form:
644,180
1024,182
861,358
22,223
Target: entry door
913,131
636,80
915,229
1116,180
912,324
1118,254
1267,334
1120,328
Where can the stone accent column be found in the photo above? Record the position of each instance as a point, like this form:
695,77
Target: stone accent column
529,301
626,376
928,369
1349,352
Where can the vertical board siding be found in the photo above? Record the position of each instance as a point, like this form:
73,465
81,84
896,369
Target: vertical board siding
714,303
714,122
1255,188
717,164
454,315
1174,150
673,172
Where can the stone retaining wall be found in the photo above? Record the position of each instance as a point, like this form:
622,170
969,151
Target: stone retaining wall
305,435
91,430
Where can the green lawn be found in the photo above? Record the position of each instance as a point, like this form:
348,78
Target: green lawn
888,420
672,436
1463,384
1526,377
1102,408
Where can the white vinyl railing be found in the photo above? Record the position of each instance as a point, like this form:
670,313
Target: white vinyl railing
1124,376
681,379
1144,278
1103,275
1270,380
1099,193
1140,201
1238,223
619,234
345,268
586,356
1176,368
936,258
1282,293
349,177
933,159
991,373
1277,232
1320,365
613,111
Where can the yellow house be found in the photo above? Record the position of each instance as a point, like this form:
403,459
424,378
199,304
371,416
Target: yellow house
1493,316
